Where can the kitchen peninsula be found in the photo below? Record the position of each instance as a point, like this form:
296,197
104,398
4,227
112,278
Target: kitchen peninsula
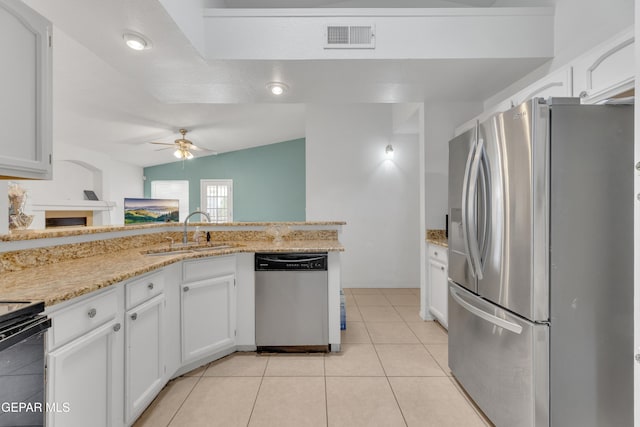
56,265
131,309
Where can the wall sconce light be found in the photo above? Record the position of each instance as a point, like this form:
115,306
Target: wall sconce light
277,88
388,150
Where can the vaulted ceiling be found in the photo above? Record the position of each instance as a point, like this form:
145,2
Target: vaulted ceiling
114,100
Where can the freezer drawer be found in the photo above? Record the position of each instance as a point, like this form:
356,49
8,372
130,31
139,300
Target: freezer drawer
500,359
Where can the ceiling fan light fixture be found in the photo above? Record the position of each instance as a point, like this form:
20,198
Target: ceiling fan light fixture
183,154
277,88
136,41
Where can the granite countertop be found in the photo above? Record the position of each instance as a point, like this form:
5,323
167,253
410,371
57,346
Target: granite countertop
61,281
437,237
79,231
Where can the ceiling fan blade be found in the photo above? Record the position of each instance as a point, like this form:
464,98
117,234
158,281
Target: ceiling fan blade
203,150
162,149
162,143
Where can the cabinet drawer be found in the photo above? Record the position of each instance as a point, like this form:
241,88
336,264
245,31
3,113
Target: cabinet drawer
82,317
438,253
144,288
199,269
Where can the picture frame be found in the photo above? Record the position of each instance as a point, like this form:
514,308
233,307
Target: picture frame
144,210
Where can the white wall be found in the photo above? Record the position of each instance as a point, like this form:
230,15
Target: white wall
295,34
112,180
349,178
582,24
440,121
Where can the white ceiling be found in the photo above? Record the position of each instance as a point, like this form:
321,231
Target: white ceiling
263,4
114,100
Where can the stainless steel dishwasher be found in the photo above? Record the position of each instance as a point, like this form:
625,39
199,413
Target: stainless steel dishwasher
291,302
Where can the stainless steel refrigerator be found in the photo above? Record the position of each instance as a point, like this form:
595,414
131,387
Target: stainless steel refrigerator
541,264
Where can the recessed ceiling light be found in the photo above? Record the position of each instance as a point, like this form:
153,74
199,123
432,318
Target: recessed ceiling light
136,41
277,88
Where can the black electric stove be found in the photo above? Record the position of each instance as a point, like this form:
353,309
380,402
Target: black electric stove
22,350
19,320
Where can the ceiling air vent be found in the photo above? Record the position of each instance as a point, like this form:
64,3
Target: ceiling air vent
350,37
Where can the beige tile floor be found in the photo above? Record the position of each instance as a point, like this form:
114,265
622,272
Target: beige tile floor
392,371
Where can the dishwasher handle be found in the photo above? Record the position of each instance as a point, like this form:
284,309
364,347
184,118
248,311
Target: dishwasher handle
291,262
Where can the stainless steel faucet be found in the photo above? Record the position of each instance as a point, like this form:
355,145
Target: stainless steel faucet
185,240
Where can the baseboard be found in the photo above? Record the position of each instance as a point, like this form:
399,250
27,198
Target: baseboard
381,285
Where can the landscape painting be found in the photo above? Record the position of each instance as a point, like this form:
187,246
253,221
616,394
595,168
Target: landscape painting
141,211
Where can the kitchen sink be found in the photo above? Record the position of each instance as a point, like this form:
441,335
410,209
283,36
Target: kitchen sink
169,252
210,248
187,250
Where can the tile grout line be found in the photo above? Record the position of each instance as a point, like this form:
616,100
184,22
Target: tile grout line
253,407
386,376
483,418
407,325
446,371
436,360
375,349
188,394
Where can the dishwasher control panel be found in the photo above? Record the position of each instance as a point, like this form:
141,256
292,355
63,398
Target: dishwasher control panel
291,262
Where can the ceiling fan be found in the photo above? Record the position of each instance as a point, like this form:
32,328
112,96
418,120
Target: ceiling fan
183,147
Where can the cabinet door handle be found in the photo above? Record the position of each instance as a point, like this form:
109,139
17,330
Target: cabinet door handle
116,327
442,268
185,289
134,316
435,253
150,286
92,313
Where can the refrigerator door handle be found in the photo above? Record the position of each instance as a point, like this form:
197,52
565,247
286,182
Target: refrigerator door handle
465,205
471,194
486,209
516,329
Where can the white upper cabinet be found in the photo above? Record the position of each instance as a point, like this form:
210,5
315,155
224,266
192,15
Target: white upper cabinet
558,84
25,88
606,70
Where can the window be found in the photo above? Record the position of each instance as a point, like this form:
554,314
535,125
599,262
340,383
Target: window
173,190
216,199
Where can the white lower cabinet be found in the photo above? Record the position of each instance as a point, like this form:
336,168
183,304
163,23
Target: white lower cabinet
144,355
208,316
85,379
109,353
438,283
